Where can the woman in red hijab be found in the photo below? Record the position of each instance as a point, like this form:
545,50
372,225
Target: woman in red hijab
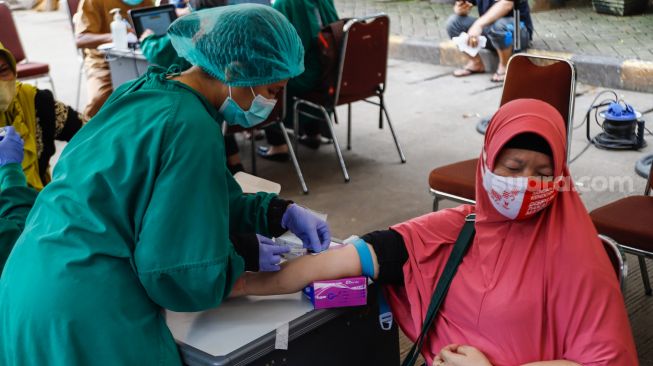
535,287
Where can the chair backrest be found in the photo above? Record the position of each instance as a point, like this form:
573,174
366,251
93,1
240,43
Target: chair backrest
364,58
617,258
550,79
72,9
9,34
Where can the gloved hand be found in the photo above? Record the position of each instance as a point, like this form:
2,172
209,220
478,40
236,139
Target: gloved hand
313,231
269,254
11,147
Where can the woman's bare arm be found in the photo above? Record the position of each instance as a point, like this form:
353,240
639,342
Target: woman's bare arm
299,272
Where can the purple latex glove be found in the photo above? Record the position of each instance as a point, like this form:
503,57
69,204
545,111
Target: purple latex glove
269,254
313,231
11,147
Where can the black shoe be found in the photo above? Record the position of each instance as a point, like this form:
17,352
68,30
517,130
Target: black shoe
310,142
236,168
264,152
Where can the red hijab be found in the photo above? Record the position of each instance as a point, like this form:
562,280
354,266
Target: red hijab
532,290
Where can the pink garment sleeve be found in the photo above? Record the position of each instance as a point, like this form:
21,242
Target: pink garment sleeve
590,322
429,240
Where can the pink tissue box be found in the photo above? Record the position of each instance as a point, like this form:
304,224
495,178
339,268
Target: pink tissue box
344,292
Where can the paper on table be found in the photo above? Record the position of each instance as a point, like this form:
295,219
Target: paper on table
461,42
253,184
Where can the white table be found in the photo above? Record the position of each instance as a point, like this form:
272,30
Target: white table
243,332
125,65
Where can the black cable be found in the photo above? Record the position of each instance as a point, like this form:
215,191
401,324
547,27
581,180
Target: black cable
616,97
571,161
604,102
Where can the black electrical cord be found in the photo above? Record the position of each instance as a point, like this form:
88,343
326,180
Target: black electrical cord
593,106
571,161
616,97
604,139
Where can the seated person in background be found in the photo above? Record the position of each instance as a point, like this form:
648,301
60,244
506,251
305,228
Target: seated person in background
37,117
16,199
496,23
536,286
93,28
158,50
308,17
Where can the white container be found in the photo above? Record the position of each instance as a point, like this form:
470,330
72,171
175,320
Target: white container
118,31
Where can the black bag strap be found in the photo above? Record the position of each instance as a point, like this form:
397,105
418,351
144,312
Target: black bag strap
459,249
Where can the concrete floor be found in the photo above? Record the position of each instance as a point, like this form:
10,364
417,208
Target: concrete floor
434,116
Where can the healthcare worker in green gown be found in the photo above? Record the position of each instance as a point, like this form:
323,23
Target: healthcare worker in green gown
142,214
16,199
158,50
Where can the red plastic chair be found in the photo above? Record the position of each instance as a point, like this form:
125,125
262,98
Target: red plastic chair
629,222
556,81
9,37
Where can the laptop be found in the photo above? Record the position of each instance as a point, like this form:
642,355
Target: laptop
157,18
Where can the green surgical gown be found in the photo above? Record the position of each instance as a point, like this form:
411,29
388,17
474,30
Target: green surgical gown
158,50
136,219
308,17
15,204
16,201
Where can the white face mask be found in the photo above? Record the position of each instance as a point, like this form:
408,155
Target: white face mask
7,93
517,198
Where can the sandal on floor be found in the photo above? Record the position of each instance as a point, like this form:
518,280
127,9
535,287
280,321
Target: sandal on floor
465,71
264,152
498,77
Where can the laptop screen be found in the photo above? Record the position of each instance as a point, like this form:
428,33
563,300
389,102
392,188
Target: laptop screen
158,19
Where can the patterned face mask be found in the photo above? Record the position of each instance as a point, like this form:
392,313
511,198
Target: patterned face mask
518,198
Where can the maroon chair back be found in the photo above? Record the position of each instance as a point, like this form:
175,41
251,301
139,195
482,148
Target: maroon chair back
549,80
364,61
9,34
